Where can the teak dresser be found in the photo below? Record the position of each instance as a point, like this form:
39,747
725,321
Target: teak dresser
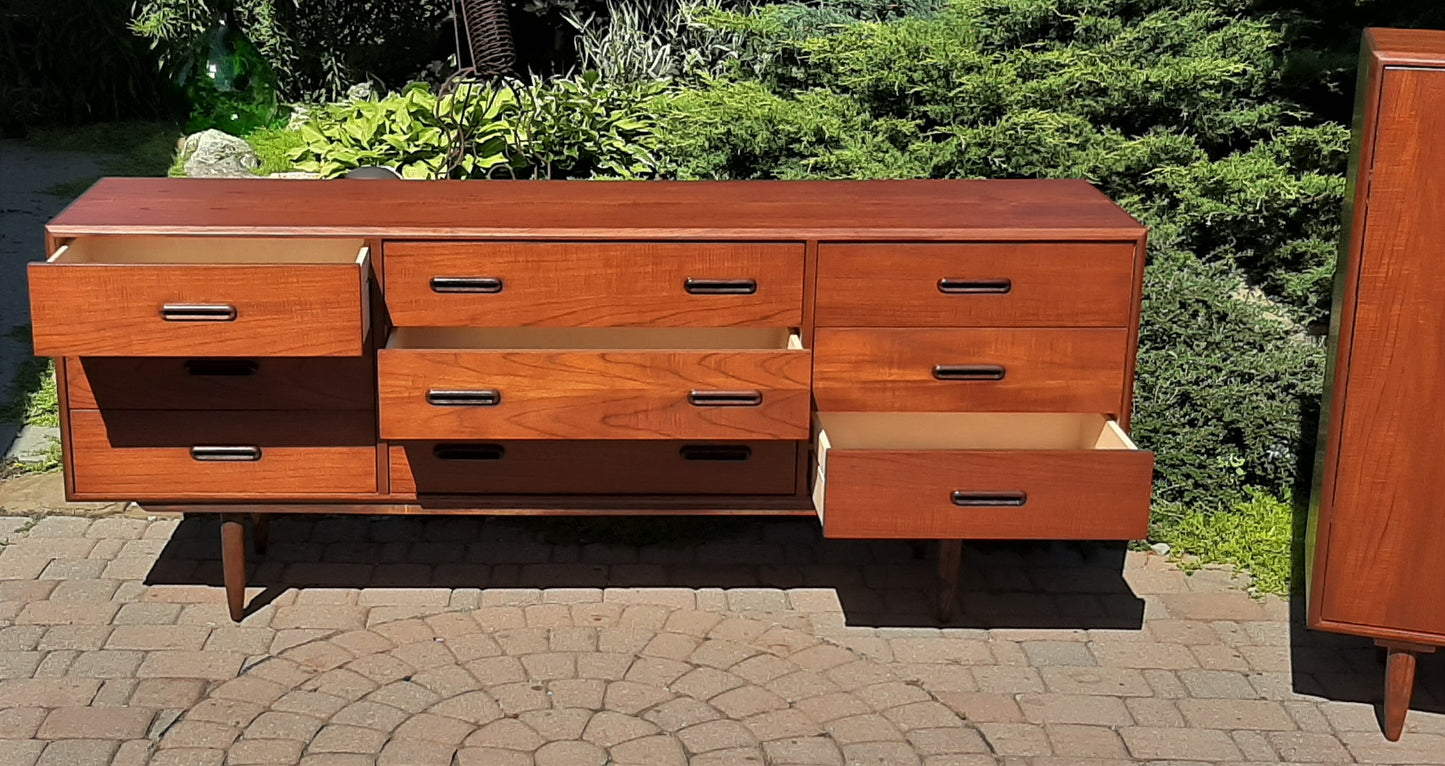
941,360
1376,543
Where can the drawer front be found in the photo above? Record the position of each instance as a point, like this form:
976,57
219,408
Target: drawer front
594,394
1006,494
1026,284
260,383
601,467
579,284
992,370
307,309
177,455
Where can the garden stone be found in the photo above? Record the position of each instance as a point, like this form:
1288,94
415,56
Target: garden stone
1161,548
213,154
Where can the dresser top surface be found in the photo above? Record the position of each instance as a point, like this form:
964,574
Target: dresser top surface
727,210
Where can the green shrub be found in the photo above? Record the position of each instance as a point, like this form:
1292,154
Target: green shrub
318,48
74,62
1224,384
409,132
1256,535
568,128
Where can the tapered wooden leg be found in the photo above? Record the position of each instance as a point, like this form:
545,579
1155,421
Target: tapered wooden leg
233,563
950,562
260,532
1399,684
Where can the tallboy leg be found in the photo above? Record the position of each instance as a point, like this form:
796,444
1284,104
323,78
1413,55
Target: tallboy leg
1399,684
233,563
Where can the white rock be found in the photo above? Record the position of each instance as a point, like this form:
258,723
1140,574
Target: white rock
1161,548
214,154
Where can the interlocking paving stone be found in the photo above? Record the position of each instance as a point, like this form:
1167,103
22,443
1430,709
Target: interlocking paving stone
795,651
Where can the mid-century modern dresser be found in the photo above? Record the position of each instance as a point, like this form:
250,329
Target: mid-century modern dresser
941,360
1376,543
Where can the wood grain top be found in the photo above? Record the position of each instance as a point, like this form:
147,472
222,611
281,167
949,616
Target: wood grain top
1406,47
879,210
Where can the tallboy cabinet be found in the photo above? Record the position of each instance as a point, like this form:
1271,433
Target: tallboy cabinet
1376,540
941,360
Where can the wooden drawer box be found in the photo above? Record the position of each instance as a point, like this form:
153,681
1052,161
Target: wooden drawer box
1018,284
986,370
212,296
185,455
587,284
979,476
594,383
601,467
201,383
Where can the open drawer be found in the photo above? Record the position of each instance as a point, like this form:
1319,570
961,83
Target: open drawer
205,296
979,476
594,383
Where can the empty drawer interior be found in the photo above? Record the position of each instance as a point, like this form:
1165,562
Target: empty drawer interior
200,250
583,338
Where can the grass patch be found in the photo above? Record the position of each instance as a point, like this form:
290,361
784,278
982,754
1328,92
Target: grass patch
33,399
1255,536
130,149
271,145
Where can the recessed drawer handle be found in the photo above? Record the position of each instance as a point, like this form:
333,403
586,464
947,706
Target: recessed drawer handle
198,312
716,452
225,454
989,499
466,285
488,398
721,286
725,398
220,368
969,372
469,451
975,286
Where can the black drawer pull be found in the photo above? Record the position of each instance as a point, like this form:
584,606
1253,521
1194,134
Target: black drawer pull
989,499
725,398
439,398
969,372
975,286
469,451
225,454
198,312
221,368
721,286
716,452
466,285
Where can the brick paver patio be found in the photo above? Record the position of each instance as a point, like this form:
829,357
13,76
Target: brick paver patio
500,642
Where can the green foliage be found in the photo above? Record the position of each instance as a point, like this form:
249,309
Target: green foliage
408,132
318,48
70,62
567,128
585,128
273,148
1255,535
1225,384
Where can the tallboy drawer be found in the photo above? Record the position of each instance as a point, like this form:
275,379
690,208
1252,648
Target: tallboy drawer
979,476
997,284
212,296
190,455
604,467
593,284
206,383
594,383
994,370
